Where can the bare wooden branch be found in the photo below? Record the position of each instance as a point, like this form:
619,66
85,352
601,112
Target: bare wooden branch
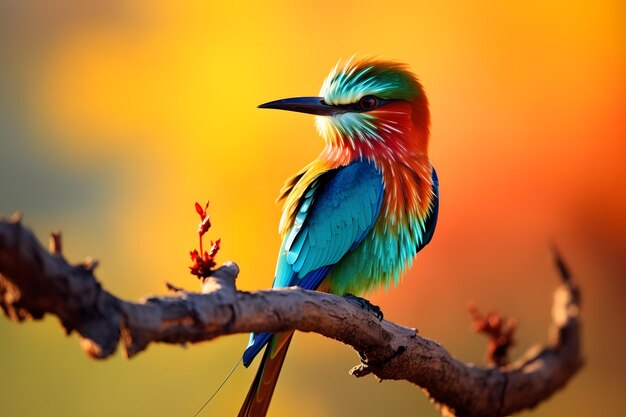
34,282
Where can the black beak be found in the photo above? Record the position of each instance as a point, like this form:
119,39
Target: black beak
311,105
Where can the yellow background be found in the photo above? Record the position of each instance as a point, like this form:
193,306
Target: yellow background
116,116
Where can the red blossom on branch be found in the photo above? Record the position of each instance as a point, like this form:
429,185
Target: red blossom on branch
499,330
203,261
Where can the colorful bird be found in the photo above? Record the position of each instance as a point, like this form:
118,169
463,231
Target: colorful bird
354,218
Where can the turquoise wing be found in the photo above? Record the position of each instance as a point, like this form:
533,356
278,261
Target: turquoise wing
335,214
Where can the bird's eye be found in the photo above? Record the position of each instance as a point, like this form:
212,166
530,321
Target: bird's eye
368,102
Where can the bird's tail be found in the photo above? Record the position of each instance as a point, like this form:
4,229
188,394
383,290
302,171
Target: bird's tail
260,394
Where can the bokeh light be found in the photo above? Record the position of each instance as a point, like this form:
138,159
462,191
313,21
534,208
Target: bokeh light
116,116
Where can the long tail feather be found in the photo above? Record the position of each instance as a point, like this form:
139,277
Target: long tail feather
260,394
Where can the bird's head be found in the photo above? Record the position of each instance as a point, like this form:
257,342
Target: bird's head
368,106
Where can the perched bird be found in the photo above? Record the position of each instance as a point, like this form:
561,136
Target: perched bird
354,218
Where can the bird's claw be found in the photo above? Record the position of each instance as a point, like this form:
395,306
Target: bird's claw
365,304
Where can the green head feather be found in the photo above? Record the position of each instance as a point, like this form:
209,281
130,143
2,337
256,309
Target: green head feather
354,79
348,82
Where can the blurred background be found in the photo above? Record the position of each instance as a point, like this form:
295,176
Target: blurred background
116,116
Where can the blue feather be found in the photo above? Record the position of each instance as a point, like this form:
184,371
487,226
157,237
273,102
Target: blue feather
431,221
336,213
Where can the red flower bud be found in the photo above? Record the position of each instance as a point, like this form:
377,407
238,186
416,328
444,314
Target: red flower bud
202,263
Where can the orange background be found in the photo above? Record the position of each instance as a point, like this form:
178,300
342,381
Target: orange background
116,116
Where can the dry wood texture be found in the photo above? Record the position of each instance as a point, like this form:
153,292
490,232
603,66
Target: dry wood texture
35,281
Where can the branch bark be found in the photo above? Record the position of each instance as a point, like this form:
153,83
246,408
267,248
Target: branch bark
34,282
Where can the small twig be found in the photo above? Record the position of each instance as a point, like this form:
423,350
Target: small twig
16,217
55,247
90,264
560,264
172,287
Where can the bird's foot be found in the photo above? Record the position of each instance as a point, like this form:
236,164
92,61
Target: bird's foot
365,304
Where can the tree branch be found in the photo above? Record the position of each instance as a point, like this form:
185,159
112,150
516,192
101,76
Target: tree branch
34,282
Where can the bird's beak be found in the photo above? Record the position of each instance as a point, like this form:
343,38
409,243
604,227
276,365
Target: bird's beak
311,105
